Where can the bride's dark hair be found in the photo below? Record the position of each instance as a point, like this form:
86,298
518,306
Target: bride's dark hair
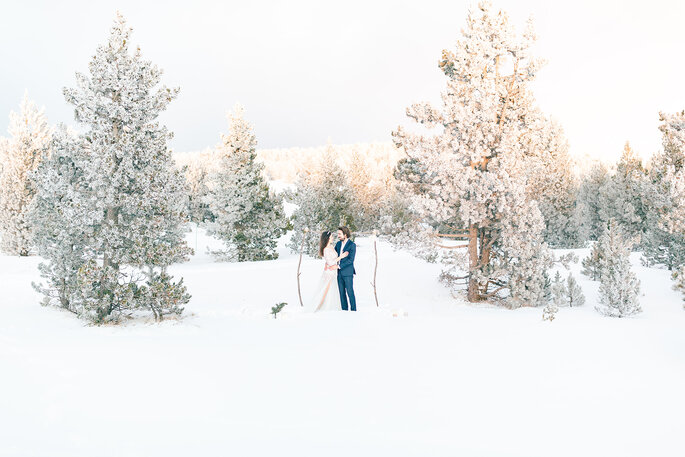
325,236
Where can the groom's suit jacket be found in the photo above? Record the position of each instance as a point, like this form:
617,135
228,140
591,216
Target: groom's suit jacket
346,264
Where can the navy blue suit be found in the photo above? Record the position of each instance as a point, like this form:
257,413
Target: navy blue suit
346,274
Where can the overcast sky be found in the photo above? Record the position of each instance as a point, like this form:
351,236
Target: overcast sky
307,71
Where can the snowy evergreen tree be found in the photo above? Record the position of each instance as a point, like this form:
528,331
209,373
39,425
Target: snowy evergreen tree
574,293
469,171
549,312
672,219
197,174
588,199
63,219
559,290
566,293
551,182
678,277
619,288
621,199
660,245
401,226
324,201
133,199
370,193
28,145
248,217
592,262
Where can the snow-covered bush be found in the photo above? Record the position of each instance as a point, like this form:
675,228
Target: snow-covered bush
549,312
678,277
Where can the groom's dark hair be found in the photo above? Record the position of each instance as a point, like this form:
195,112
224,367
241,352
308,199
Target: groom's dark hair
346,231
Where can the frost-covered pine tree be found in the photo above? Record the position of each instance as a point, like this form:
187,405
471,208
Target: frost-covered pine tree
588,199
559,291
133,199
63,219
566,293
621,196
197,172
468,172
619,288
549,312
370,192
404,229
28,144
248,217
324,201
592,262
662,245
574,293
673,219
552,183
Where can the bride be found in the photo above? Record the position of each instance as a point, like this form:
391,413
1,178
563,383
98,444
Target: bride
327,296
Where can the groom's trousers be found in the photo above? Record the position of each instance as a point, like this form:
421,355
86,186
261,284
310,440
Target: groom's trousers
346,290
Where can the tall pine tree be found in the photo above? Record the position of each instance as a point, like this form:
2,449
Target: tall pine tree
621,199
551,182
619,288
662,246
133,199
470,173
248,217
589,201
26,148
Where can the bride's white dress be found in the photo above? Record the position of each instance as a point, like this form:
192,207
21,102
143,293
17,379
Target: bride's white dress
327,297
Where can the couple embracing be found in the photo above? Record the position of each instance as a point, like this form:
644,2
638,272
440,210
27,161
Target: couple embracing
338,272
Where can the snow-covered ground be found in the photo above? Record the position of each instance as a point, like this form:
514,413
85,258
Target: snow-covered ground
423,375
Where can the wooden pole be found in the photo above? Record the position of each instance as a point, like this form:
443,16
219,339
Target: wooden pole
375,268
299,264
473,293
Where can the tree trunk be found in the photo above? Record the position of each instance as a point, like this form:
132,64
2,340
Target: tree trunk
375,269
112,214
472,293
484,254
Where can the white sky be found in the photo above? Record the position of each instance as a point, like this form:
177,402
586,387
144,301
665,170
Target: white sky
308,71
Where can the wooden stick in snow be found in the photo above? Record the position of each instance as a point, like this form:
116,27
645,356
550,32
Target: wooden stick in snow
375,268
299,264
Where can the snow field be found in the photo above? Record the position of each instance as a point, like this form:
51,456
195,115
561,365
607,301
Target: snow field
448,378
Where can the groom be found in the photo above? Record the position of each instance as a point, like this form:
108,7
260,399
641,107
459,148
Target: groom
346,271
